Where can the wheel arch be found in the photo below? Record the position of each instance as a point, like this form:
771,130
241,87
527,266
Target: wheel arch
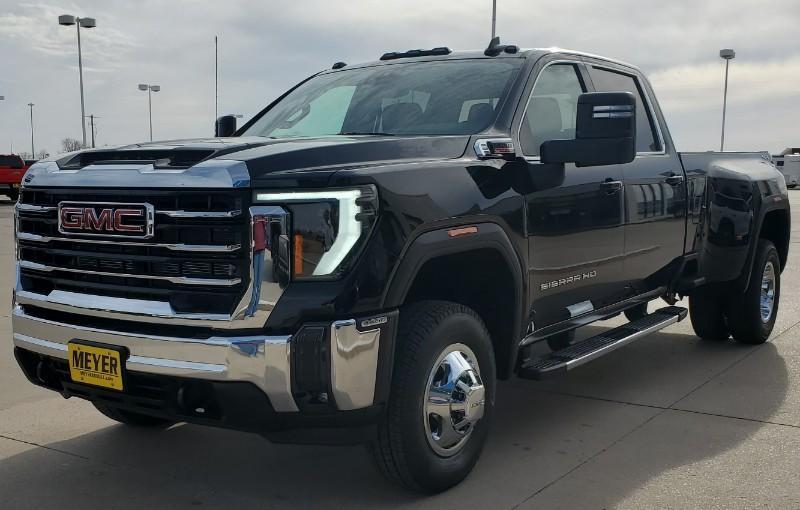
479,269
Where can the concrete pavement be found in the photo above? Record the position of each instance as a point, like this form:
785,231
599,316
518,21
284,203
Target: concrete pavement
667,422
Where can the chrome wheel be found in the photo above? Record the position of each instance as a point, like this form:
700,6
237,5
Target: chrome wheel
454,400
767,292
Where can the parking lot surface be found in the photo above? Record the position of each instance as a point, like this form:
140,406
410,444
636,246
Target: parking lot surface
667,422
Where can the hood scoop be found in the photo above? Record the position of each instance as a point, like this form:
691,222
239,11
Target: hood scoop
160,158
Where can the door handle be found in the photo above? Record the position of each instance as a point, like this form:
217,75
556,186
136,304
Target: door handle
674,180
611,186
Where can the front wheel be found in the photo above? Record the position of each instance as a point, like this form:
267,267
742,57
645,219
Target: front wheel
751,315
442,397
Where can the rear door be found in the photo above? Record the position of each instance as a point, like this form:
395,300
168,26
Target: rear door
655,186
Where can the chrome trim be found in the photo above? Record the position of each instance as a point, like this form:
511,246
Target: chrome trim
149,229
211,248
580,308
34,208
213,173
201,214
455,400
182,280
481,147
354,364
261,360
262,293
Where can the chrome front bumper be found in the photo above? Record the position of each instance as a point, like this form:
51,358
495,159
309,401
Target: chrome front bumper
262,360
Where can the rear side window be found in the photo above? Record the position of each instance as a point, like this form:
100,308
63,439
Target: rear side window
11,161
611,81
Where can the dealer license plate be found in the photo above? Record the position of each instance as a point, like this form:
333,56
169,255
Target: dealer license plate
97,366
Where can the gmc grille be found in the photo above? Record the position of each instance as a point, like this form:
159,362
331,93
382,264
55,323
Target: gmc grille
197,260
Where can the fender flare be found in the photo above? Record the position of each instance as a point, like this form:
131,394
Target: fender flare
437,243
744,279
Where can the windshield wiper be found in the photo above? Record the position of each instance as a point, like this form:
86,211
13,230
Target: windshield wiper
364,133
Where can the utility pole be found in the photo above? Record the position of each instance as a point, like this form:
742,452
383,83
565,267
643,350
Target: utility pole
92,124
494,17
33,151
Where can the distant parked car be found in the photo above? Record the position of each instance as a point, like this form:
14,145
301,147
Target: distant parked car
12,168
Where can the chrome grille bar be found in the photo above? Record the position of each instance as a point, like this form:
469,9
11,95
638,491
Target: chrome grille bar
209,248
183,280
201,214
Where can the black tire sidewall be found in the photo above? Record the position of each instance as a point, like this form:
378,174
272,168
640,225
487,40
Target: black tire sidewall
744,313
431,471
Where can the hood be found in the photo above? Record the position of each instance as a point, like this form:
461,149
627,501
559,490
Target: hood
235,162
288,156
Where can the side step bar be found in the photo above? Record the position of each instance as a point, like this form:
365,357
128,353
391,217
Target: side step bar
558,362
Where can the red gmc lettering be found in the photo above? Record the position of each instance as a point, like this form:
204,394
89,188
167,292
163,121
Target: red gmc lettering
104,220
93,221
72,217
120,214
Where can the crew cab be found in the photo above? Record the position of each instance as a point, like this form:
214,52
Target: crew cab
12,168
369,254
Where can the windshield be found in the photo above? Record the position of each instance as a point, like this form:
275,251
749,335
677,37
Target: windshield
421,98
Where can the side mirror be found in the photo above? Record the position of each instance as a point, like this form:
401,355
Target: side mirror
605,132
225,126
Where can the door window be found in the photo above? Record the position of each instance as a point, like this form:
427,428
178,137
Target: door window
552,108
611,81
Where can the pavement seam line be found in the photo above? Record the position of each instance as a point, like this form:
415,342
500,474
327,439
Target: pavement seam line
588,459
2,436
656,415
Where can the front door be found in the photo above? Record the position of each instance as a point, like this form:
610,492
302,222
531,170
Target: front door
574,216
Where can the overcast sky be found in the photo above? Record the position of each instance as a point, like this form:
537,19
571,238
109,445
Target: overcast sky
266,46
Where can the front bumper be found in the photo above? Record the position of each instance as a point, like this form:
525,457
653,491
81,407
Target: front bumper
347,361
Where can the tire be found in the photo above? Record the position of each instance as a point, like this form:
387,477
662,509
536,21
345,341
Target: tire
749,321
131,418
707,313
637,312
406,447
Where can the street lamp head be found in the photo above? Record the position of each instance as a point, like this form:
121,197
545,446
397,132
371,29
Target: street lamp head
155,88
142,86
31,105
727,54
88,22
66,20
2,98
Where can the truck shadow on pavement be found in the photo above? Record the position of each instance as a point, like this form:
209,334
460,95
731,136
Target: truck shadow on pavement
541,433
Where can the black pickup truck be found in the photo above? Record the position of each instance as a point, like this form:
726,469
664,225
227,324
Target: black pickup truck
364,258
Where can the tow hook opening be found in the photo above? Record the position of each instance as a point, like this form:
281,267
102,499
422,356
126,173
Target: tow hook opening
197,399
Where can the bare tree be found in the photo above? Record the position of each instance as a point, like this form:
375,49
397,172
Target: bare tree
71,144
25,155
42,154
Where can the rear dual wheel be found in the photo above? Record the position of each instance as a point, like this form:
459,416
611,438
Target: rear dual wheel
749,316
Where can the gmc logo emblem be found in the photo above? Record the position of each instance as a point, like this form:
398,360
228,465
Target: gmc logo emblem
106,219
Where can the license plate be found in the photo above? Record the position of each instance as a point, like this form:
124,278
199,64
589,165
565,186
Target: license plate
97,366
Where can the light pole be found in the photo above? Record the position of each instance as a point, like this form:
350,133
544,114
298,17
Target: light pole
68,20
33,151
150,89
727,54
494,16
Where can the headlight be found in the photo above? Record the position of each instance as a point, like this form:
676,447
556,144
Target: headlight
328,227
